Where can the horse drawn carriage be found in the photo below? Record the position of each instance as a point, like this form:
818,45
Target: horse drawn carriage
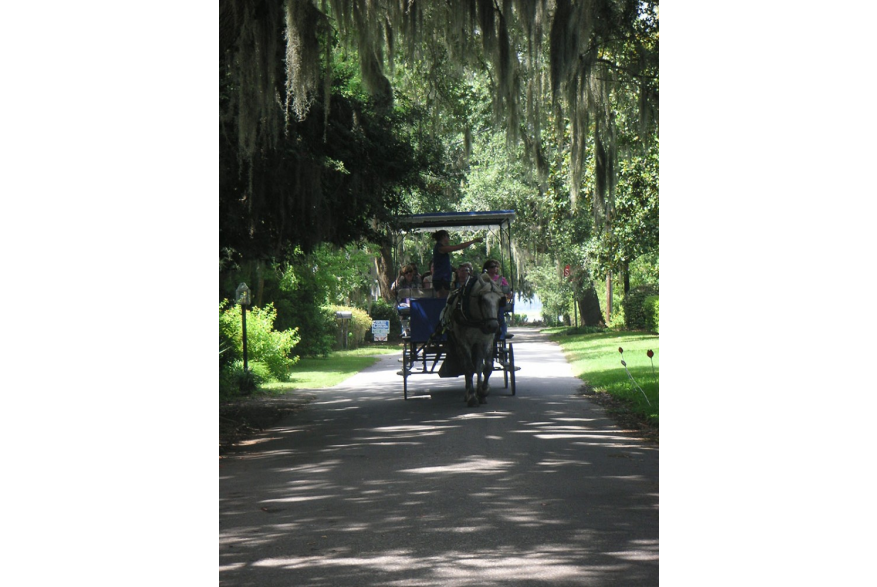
459,335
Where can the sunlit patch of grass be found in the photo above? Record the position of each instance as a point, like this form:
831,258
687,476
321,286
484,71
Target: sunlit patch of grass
314,373
595,359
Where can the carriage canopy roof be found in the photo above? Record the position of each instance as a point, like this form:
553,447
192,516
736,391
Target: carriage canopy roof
456,221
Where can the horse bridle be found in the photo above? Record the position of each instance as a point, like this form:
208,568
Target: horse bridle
486,317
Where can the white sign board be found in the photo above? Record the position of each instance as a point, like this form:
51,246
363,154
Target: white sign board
380,330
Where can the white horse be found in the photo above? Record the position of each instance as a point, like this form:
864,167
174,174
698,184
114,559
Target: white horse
473,327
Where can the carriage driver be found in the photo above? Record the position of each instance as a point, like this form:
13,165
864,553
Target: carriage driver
463,275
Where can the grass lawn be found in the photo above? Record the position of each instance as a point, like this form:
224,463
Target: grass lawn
595,359
313,373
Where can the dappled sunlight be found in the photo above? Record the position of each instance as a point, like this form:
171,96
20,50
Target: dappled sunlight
478,465
482,415
364,488
549,564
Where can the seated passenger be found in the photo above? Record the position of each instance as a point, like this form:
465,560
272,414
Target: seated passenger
406,280
427,278
491,267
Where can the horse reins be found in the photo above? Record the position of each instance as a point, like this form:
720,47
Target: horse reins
468,320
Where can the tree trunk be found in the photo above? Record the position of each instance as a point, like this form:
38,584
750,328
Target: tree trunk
384,268
589,307
609,295
626,270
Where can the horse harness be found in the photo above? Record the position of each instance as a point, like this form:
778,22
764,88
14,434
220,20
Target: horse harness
462,308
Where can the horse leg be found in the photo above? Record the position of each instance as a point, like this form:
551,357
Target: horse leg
469,369
470,397
485,386
483,368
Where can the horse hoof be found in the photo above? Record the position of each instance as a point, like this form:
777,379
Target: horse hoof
482,400
473,402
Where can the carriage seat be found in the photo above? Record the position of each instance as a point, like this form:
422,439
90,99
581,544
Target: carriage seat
414,292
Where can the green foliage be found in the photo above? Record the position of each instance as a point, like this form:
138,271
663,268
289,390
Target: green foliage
343,272
383,310
247,381
228,383
635,312
229,351
650,306
260,371
633,230
301,299
554,291
357,326
234,380
264,344
616,322
644,270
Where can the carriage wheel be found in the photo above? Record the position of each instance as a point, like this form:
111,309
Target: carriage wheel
504,354
510,366
405,369
499,357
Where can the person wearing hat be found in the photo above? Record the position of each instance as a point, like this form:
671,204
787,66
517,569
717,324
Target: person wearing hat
441,260
491,267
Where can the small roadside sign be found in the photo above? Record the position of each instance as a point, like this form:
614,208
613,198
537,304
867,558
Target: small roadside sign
566,271
380,330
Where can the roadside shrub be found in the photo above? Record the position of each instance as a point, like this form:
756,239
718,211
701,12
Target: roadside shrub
383,310
234,381
228,387
228,351
650,305
357,326
264,344
260,371
634,306
617,320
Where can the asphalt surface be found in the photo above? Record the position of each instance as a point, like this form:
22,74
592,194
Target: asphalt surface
364,488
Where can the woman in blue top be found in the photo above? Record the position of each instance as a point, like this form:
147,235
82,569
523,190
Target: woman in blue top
441,260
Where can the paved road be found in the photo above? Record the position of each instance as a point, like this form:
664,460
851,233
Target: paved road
364,488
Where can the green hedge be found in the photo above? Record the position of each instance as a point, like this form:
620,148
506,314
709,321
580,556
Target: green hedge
634,304
650,306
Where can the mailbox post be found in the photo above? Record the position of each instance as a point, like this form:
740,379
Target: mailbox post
242,296
344,317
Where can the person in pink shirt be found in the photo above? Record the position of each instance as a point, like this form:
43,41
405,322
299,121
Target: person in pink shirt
491,267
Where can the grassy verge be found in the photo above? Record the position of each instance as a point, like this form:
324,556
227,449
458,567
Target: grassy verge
595,359
313,373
